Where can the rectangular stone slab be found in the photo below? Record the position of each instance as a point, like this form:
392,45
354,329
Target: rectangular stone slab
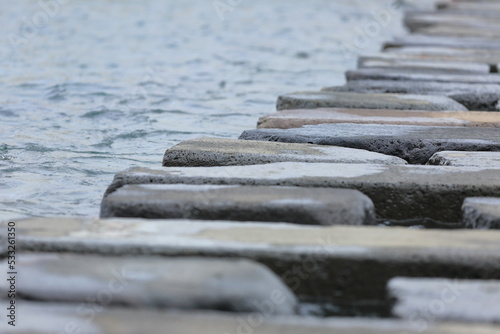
311,100
426,66
415,144
188,283
453,31
287,119
482,213
446,300
204,152
308,206
398,192
410,75
345,264
415,21
474,96
455,42
43,318
443,53
466,159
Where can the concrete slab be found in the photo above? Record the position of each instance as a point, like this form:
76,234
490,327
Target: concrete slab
438,300
411,75
469,6
418,20
454,31
311,100
309,206
482,213
287,119
175,283
339,263
41,318
439,54
466,159
455,42
423,66
415,144
205,152
400,193
474,96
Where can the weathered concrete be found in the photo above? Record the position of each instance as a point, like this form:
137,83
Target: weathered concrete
482,213
205,152
309,206
423,66
434,300
416,144
287,119
176,283
398,192
42,318
455,42
411,75
417,20
474,96
466,159
343,264
310,100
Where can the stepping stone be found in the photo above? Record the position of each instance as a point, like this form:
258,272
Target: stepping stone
311,100
474,96
348,266
177,283
410,75
453,31
490,160
470,6
455,42
415,21
399,193
491,57
58,318
446,300
310,206
415,144
423,66
204,152
287,119
482,213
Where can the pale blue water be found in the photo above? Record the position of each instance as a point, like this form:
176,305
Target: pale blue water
99,86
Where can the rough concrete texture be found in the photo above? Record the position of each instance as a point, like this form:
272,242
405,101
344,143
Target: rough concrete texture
287,119
311,100
411,75
398,192
309,206
475,96
42,318
415,144
466,159
176,283
482,213
423,66
455,42
417,20
434,300
205,152
340,263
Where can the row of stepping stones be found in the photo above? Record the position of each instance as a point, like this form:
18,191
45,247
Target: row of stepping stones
301,224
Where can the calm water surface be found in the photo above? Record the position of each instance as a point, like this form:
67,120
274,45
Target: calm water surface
99,86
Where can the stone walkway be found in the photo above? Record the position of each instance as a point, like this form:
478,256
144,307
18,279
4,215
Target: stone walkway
369,208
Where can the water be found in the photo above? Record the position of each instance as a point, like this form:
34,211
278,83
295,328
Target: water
89,88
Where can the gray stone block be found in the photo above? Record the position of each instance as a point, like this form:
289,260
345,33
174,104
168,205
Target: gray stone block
309,206
490,57
344,265
311,100
417,20
482,212
398,192
205,152
287,119
454,31
42,318
415,144
411,75
177,283
475,96
490,160
432,300
440,41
